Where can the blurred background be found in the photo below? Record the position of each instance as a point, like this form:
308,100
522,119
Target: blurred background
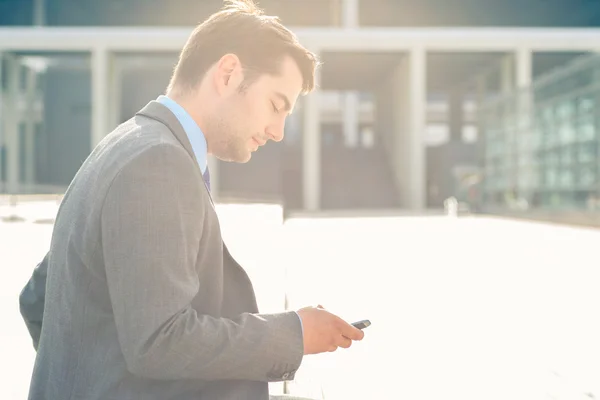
492,102
443,180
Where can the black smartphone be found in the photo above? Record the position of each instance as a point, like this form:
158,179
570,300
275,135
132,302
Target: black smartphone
361,324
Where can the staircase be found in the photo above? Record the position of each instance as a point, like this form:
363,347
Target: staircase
355,178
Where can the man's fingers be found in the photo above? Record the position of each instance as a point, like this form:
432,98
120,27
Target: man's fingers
332,349
344,342
351,332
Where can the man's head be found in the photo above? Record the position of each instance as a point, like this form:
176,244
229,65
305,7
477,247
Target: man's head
239,76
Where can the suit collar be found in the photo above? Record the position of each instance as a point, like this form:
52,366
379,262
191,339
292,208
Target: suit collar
160,113
191,128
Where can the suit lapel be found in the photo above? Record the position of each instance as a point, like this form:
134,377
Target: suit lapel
158,112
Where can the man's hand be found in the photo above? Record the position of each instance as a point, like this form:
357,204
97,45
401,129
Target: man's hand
324,331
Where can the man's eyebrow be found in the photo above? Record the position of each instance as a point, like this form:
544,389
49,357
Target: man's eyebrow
286,101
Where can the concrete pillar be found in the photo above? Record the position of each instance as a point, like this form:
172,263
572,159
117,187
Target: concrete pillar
507,85
409,119
100,95
456,114
350,18
115,89
524,73
311,163
11,121
351,121
507,74
417,123
30,124
516,70
39,12
516,75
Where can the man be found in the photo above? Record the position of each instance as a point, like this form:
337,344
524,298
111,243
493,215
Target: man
142,298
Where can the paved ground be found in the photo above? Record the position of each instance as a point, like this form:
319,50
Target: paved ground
461,308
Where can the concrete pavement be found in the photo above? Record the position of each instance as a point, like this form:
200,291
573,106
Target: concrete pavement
461,307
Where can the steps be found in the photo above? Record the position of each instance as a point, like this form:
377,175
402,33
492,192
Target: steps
357,178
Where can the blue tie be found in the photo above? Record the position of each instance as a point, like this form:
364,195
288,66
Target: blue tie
206,177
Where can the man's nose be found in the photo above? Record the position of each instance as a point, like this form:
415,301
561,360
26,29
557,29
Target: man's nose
276,131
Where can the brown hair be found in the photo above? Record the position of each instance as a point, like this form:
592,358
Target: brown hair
240,27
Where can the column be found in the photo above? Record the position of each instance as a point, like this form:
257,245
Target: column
456,114
336,13
100,95
351,118
408,99
350,13
311,163
114,94
30,124
516,75
416,115
507,74
516,70
507,85
11,121
524,72
523,78
39,12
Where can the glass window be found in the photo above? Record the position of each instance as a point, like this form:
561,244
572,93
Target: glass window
566,177
587,176
550,177
566,156
586,105
586,130
586,153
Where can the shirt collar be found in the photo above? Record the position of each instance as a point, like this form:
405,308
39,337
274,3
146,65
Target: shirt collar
191,128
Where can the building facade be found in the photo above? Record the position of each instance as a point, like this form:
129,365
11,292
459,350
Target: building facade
542,148
365,138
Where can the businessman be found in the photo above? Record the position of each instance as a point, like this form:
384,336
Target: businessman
142,299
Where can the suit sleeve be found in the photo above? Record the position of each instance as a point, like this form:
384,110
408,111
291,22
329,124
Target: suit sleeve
152,222
32,299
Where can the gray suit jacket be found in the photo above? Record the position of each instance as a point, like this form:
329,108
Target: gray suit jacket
142,298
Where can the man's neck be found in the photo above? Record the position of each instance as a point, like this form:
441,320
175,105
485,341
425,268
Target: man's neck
189,104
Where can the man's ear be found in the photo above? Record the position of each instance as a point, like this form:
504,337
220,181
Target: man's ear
228,73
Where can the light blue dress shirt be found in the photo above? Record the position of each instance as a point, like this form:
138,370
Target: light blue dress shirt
191,128
196,138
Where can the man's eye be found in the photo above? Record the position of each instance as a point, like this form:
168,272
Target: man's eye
275,108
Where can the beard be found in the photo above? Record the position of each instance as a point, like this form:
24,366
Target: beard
228,141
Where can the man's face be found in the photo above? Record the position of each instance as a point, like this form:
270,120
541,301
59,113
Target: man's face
247,117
